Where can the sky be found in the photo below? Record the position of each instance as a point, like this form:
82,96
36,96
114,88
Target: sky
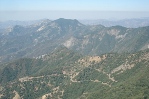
76,9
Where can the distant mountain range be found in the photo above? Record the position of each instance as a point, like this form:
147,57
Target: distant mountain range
44,37
129,23
11,23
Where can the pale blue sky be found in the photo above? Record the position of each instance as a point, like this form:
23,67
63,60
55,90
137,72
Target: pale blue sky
63,8
100,5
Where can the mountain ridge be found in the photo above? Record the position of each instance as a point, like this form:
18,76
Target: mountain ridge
43,38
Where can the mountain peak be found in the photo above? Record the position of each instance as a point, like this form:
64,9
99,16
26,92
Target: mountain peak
63,19
65,22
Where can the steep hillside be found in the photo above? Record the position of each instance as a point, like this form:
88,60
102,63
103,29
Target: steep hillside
42,65
68,75
35,40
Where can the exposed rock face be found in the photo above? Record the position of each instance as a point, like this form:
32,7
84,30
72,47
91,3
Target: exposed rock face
122,68
17,96
70,42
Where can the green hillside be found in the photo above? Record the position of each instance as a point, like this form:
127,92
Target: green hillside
66,74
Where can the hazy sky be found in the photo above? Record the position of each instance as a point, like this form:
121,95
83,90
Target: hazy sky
79,9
